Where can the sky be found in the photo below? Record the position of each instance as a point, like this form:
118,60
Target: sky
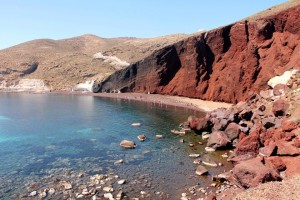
24,20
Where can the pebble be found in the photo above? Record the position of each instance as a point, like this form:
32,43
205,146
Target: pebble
205,135
108,196
51,191
194,155
191,144
143,193
79,196
108,189
136,124
209,149
120,195
33,193
119,161
66,185
213,185
43,194
94,197
181,140
210,163
159,136
197,161
85,191
121,182
225,155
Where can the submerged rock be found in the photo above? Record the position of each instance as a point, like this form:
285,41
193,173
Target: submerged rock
206,160
201,170
127,144
119,161
136,124
141,137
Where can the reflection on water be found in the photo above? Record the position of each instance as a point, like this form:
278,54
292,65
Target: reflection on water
42,134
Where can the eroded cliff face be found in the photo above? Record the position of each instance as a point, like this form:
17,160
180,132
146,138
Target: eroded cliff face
224,64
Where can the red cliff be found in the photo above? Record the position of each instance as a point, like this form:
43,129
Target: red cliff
224,64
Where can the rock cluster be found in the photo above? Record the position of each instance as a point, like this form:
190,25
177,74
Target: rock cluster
264,133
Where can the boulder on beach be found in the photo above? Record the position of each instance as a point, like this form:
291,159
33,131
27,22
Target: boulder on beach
222,177
252,172
232,131
127,144
199,124
247,148
217,139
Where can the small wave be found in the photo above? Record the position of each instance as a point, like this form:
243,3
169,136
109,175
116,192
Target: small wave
2,117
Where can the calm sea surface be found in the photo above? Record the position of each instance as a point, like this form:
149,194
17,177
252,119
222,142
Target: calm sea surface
44,134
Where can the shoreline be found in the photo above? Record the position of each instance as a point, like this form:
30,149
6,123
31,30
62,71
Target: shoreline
185,102
176,101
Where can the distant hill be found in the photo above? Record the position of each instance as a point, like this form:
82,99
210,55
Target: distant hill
65,63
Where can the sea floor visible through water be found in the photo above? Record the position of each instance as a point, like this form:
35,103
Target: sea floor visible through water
49,138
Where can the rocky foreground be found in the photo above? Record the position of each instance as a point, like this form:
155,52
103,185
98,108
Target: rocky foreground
263,133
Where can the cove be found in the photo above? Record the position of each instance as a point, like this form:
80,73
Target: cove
46,137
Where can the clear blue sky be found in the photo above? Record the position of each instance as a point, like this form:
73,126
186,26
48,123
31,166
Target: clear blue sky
23,20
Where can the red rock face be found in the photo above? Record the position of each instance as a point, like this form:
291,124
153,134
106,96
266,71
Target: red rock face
224,64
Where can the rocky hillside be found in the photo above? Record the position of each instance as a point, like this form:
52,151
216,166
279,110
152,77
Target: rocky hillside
61,64
224,64
263,134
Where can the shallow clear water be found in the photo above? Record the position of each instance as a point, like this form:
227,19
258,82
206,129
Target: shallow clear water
43,132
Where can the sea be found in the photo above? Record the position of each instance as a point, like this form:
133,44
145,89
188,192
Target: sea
46,137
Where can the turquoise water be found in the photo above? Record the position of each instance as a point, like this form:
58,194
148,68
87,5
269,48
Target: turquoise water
41,133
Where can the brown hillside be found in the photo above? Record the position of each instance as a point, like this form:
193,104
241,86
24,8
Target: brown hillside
64,63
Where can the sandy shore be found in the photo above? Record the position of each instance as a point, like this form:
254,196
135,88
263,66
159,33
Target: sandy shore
195,104
185,102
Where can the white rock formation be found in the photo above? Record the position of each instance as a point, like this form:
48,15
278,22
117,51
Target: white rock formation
283,79
113,60
87,86
30,85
